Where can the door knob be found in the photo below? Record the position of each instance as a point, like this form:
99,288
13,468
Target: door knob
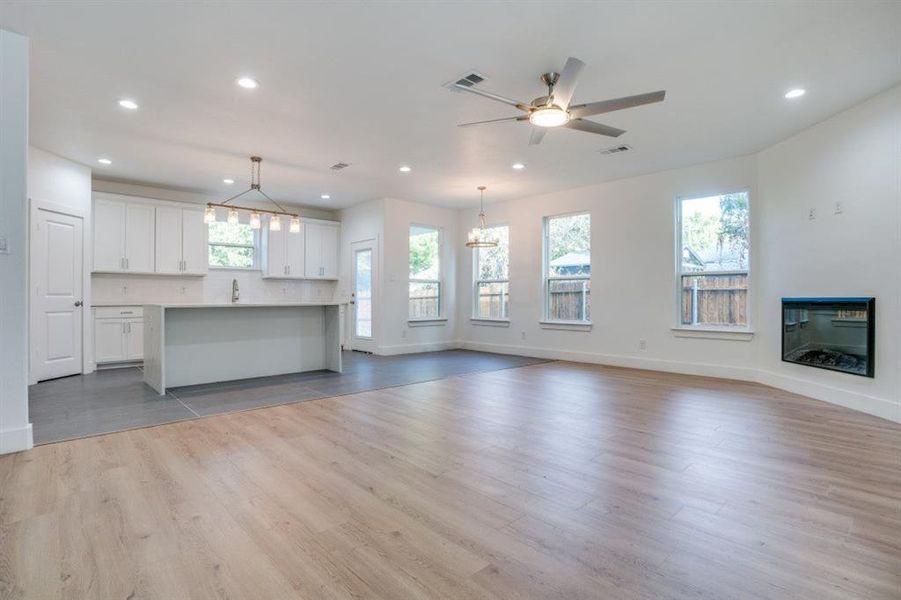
78,303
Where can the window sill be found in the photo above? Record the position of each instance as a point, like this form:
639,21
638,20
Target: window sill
482,322
715,333
440,322
566,325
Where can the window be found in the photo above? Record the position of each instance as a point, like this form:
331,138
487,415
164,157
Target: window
567,268
712,271
491,277
425,272
231,246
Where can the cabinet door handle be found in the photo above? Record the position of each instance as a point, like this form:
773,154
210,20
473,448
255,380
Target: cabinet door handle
128,326
126,263
124,327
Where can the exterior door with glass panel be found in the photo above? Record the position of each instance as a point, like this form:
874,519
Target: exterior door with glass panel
363,270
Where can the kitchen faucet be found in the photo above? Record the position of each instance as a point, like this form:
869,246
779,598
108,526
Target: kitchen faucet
235,293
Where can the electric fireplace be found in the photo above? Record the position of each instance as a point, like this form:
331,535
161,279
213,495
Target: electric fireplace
830,333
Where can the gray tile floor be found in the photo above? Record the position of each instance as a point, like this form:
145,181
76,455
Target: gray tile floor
118,399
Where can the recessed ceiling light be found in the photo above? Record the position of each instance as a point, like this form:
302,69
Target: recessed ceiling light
325,196
228,181
405,169
129,104
248,83
795,93
519,166
104,161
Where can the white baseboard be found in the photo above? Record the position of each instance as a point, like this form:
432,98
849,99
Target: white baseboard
871,405
416,348
16,440
618,360
878,407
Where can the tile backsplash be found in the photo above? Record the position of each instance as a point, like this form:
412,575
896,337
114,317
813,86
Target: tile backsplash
215,287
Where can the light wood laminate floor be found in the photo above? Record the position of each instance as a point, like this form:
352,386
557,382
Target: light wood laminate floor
548,481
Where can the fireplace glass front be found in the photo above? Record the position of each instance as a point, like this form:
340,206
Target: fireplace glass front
830,333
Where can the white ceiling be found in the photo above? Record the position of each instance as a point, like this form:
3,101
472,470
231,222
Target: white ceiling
362,83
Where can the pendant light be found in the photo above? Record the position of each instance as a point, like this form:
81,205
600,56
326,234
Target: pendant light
234,217
479,236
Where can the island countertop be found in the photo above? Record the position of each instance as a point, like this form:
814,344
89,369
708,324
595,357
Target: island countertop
238,304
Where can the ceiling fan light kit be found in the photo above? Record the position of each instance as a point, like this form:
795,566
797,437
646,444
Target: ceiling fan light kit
275,221
556,110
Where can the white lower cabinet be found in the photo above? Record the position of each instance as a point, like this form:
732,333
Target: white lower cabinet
118,334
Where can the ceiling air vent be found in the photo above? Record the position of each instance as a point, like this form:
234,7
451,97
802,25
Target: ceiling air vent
466,80
616,149
338,166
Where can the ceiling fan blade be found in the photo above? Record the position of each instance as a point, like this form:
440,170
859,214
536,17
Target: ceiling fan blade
522,118
566,84
592,127
493,96
605,106
537,135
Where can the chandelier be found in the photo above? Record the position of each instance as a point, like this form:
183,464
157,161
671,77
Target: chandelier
275,220
479,237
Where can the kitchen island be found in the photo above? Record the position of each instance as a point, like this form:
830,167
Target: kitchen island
188,344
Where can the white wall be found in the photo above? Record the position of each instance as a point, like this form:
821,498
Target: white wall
852,159
361,223
633,274
58,184
15,430
398,335
216,286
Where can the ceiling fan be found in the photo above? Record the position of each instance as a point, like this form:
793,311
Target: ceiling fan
555,110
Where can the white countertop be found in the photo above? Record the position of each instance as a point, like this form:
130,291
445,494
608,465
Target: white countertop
241,304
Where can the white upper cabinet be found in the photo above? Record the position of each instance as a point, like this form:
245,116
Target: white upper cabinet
138,235
283,253
181,238
322,240
194,232
168,240
123,236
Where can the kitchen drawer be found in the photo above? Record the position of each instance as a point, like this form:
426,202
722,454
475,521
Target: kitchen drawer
118,312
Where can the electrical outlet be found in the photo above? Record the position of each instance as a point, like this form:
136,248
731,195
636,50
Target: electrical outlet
523,335
839,208
4,245
642,344
284,291
403,333
812,214
183,290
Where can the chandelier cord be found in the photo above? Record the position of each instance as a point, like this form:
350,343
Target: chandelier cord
256,184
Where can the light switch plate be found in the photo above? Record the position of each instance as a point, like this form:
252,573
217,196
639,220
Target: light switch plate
4,245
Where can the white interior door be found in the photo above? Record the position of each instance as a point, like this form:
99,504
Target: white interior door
57,270
364,275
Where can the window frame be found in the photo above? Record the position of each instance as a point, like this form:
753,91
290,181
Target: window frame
256,264
546,278
740,331
439,281
476,280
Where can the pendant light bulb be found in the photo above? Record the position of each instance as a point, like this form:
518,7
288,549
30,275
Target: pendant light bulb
209,215
275,223
294,227
233,217
254,220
